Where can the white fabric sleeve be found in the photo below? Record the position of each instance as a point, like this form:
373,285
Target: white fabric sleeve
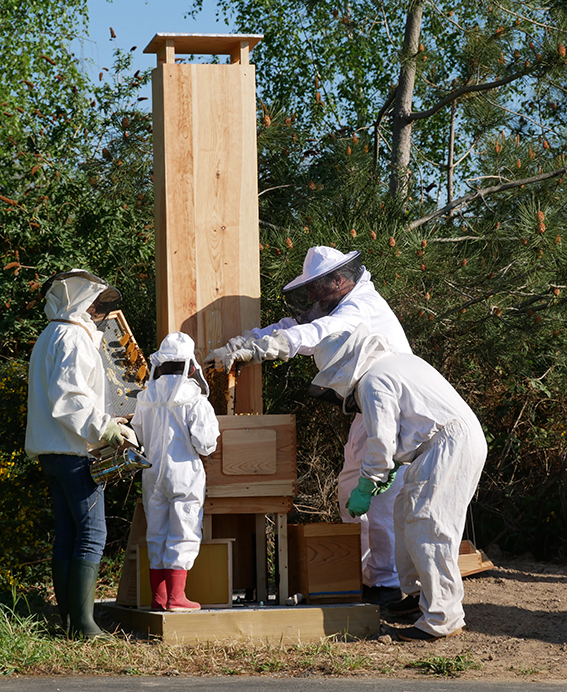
303,338
136,424
203,426
380,417
284,324
70,394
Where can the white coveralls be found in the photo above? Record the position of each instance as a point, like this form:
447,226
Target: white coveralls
66,413
362,305
412,414
175,422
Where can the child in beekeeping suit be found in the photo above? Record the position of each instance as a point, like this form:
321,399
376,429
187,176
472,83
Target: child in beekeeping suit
176,423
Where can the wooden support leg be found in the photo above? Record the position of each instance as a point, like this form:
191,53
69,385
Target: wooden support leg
207,527
261,559
281,532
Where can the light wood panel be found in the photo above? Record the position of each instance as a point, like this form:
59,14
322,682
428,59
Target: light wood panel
206,209
282,482
202,44
325,562
249,452
269,624
248,505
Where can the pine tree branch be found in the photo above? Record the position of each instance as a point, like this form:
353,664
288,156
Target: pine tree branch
547,27
487,86
484,192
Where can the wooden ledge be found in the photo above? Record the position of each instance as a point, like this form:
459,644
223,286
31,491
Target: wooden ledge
237,46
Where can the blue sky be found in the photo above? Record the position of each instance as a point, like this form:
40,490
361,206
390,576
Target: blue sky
135,22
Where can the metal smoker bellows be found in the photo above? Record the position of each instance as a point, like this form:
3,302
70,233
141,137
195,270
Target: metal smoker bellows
114,466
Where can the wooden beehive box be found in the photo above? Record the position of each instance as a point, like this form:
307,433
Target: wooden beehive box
472,560
325,562
255,457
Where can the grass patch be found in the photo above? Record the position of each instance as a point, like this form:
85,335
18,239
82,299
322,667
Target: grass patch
445,665
521,670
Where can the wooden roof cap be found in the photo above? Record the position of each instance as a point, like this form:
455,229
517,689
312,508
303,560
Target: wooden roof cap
203,44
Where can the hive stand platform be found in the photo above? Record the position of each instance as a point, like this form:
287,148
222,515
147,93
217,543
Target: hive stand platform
272,624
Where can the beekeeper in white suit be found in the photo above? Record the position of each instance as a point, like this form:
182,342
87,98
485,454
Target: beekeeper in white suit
66,417
175,422
412,415
333,293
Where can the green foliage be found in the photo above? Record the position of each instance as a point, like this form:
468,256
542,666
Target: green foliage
75,191
23,639
75,185
480,289
445,666
24,502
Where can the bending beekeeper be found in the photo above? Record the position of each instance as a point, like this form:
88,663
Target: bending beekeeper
66,417
333,293
175,422
412,415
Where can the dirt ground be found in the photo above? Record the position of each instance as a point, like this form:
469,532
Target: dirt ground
516,630
516,617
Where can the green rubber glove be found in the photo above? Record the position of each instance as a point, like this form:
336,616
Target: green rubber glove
113,435
359,500
387,484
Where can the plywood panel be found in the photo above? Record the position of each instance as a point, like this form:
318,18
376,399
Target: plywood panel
248,505
286,459
325,562
127,587
249,452
255,489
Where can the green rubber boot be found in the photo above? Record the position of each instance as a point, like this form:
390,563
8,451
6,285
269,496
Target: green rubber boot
81,593
60,571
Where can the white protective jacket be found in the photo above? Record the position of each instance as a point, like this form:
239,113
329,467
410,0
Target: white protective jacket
66,396
412,414
176,423
404,400
361,305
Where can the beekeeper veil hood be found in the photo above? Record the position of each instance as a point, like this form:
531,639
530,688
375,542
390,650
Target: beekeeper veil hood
344,357
69,294
180,347
328,276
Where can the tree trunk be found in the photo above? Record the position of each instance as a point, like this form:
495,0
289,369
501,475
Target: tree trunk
451,155
401,135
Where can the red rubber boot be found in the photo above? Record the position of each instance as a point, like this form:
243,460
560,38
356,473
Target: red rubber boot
159,589
176,599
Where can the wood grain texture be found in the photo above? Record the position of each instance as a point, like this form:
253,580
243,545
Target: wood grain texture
248,505
202,44
206,209
249,452
325,564
269,624
286,455
127,587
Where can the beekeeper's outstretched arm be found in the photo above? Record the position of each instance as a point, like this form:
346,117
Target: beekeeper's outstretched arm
251,351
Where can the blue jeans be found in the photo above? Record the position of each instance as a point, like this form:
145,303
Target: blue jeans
78,508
